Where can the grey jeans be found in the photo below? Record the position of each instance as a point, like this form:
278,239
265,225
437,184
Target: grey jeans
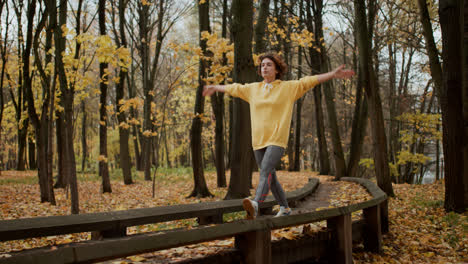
267,159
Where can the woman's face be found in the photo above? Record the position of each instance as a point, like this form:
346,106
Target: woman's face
268,69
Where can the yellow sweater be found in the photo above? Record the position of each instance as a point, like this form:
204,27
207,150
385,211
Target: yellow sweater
271,107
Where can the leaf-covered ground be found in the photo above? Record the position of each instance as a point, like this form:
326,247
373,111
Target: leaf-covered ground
420,230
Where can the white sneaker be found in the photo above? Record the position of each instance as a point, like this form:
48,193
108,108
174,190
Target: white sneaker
251,207
283,211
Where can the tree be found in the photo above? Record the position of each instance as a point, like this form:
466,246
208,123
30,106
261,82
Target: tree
3,54
314,63
372,92
67,96
200,188
338,155
244,72
40,123
451,101
104,80
124,133
217,103
20,103
465,101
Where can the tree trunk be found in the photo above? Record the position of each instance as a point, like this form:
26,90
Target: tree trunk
84,146
465,100
103,161
260,27
200,188
67,102
32,154
40,125
244,72
340,164
375,106
451,101
217,103
145,64
22,136
133,114
297,140
3,53
62,181
124,133
317,91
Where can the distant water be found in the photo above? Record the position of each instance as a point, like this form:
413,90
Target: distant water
428,178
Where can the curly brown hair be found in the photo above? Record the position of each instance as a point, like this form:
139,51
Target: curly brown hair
280,65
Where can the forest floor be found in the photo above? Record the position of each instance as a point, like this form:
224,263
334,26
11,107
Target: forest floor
420,230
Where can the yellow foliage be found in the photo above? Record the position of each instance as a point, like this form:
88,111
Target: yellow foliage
102,158
147,133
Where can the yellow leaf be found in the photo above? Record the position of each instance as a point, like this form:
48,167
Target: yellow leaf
136,258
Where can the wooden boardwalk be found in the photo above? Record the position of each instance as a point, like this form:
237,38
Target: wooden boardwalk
252,237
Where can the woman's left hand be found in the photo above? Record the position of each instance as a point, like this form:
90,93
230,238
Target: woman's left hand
342,73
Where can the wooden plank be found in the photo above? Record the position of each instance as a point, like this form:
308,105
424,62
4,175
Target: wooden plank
255,246
341,250
90,251
117,220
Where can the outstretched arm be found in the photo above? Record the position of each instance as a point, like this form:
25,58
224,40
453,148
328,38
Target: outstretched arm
340,73
212,88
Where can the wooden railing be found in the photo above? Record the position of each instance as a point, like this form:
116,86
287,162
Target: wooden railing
252,237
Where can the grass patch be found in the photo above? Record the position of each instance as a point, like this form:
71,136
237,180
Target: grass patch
230,217
422,200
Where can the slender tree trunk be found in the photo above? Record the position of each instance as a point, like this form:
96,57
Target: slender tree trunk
338,155
375,106
124,133
145,64
217,103
103,161
358,131
3,53
40,126
84,146
32,154
319,117
22,136
62,181
200,188
297,140
244,72
67,102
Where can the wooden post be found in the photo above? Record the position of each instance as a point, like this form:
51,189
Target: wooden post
341,248
372,232
384,216
255,246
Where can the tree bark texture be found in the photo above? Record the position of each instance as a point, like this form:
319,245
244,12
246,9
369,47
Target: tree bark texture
69,162
451,101
200,188
315,62
375,105
124,133
244,72
103,67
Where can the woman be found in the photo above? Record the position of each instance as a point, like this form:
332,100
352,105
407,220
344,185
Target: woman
271,105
